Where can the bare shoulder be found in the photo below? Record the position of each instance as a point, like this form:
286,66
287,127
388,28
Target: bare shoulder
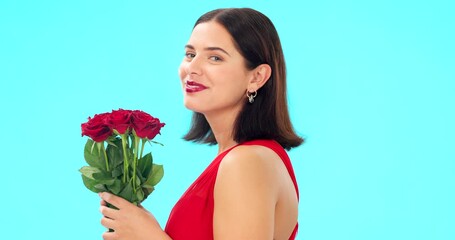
250,166
246,193
254,196
251,157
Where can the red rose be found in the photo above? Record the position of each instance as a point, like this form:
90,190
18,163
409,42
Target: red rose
120,120
145,125
97,128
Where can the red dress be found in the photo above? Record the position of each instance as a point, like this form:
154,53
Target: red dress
192,216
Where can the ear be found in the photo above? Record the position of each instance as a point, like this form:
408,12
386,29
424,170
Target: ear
260,75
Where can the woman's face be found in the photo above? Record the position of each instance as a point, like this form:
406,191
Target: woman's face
213,73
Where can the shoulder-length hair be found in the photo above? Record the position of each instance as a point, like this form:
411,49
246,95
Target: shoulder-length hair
256,38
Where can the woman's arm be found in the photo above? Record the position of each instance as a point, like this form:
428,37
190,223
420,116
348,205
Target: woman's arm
130,222
246,192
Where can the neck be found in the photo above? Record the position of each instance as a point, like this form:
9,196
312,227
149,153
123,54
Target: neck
222,125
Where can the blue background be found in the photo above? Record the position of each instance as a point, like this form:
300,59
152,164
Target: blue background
371,87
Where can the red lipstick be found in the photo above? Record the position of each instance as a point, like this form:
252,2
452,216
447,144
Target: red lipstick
192,87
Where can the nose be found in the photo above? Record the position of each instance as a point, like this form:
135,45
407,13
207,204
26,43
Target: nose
194,66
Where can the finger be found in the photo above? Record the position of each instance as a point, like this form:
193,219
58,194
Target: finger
109,236
109,212
114,200
102,202
108,223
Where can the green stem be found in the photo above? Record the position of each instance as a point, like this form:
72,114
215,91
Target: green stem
136,146
142,147
105,157
125,158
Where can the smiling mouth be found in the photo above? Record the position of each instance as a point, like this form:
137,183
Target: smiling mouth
192,87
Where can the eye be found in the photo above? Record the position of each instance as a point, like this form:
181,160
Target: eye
216,59
190,55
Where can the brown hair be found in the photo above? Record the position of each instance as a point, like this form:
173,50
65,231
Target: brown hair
256,38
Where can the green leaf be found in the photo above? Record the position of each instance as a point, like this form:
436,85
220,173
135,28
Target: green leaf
127,192
155,142
90,184
101,187
114,153
155,176
145,165
116,187
97,175
95,179
111,143
103,177
138,182
147,189
93,158
118,171
88,171
140,195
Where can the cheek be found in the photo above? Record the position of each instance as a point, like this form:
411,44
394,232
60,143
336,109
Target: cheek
182,72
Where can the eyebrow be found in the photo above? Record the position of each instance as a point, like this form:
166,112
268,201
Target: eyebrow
209,49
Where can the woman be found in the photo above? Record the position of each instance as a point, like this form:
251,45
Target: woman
233,78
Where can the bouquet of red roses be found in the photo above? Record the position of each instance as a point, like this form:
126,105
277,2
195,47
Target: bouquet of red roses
115,154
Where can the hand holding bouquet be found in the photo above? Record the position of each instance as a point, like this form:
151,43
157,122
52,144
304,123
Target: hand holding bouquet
115,154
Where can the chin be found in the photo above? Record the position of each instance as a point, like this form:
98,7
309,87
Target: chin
191,105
